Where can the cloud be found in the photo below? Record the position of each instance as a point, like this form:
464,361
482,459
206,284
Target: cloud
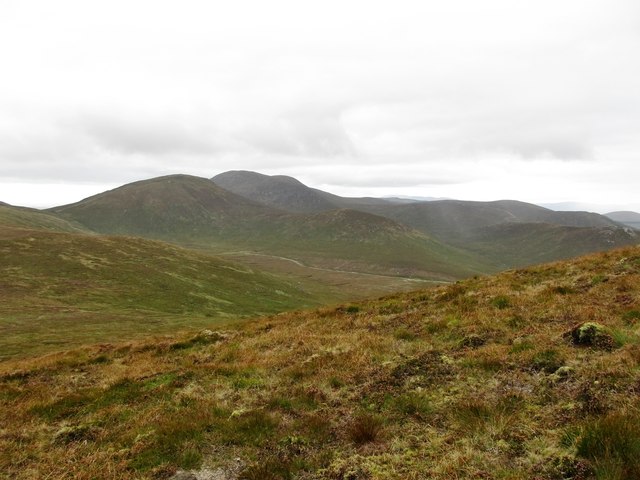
367,94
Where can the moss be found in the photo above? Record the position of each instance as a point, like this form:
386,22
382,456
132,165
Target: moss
591,334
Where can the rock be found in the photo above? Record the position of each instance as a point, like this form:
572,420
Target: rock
230,472
472,340
591,334
183,476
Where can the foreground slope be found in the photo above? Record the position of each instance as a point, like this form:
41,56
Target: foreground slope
529,374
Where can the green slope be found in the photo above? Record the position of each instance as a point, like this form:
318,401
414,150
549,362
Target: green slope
11,216
511,245
61,289
171,207
503,233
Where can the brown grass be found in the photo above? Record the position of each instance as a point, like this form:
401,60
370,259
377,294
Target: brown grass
338,393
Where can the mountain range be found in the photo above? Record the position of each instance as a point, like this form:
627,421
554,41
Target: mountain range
279,215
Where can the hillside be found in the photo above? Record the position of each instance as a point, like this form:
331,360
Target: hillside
628,218
61,290
355,240
520,244
30,218
529,374
457,219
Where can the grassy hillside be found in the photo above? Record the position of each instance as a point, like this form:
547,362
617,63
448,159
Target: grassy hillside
354,240
529,374
168,208
520,244
30,218
60,290
628,218
456,219
493,235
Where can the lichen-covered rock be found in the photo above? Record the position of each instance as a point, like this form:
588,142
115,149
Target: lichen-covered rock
473,340
591,334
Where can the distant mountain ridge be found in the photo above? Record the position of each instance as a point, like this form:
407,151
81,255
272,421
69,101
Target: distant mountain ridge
279,215
194,211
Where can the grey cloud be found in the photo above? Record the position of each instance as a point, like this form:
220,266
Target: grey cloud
129,134
303,132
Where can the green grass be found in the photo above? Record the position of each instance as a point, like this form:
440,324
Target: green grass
62,290
612,443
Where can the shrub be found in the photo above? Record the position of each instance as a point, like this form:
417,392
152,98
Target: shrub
631,317
501,302
547,361
364,428
413,404
404,334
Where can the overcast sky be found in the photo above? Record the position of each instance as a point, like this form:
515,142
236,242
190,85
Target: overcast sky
482,100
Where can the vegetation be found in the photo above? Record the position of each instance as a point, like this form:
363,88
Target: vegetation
61,290
483,378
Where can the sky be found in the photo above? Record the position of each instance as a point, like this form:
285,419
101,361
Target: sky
478,100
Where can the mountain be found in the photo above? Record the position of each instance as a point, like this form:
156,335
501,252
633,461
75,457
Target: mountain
484,228
446,219
442,240
511,234
533,373
171,207
289,194
628,218
277,191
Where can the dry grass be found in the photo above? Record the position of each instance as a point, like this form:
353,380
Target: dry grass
442,383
